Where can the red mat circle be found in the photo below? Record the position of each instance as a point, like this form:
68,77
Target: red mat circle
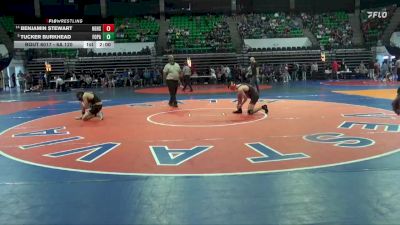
229,148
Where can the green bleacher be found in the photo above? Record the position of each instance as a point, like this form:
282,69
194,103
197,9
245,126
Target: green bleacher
7,23
61,53
372,36
332,21
377,25
198,27
279,30
136,26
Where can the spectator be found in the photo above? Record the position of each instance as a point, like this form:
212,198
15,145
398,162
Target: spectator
214,36
102,78
125,77
373,27
397,67
157,76
88,81
377,69
314,70
295,71
304,71
384,70
41,81
363,69
186,77
228,73
213,75
343,66
21,80
60,84
137,80
13,80
28,81
285,73
1,81
276,25
335,69
147,77
6,81
371,69
46,80
332,29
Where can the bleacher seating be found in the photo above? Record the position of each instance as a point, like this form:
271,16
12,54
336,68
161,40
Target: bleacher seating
8,24
275,25
303,56
298,48
144,51
333,30
108,64
62,53
199,34
373,27
136,29
203,62
38,66
353,57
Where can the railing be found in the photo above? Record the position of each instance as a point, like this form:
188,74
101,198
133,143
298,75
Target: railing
203,62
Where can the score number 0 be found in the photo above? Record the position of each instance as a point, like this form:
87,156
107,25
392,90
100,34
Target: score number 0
108,27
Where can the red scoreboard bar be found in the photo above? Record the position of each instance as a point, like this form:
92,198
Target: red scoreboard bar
108,28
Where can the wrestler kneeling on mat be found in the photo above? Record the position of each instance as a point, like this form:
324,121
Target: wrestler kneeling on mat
396,103
92,102
245,91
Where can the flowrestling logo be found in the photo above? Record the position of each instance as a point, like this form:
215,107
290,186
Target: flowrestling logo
376,14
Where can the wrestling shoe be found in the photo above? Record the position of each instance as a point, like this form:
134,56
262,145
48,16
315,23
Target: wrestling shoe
238,111
100,115
265,108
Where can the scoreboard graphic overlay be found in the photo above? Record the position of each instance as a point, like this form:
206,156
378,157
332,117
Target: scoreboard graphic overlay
64,33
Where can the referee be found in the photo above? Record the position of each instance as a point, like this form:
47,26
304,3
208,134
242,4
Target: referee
172,72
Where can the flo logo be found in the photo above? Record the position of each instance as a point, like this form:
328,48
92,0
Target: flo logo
381,15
